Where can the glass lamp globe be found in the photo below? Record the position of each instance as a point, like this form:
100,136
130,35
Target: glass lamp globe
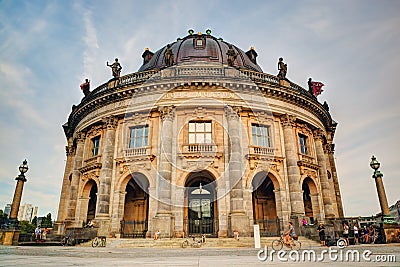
23,168
374,163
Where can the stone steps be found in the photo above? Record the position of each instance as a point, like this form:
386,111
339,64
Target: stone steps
243,242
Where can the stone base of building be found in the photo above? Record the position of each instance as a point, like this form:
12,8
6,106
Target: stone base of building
392,233
240,223
9,237
164,223
104,226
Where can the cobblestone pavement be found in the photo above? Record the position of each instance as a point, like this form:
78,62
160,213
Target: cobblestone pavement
87,256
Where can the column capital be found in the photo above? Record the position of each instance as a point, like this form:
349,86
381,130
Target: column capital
80,137
288,120
69,150
110,122
232,112
167,113
319,135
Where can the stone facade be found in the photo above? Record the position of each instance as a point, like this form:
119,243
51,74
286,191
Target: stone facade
198,147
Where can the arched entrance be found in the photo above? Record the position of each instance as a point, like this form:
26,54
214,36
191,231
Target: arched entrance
200,205
91,212
136,208
264,205
310,199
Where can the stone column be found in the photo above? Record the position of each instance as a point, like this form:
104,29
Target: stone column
381,193
331,157
76,174
237,214
17,197
293,172
118,212
107,163
63,205
326,196
163,220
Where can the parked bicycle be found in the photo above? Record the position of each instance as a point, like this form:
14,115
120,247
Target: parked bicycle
293,243
68,241
193,242
99,241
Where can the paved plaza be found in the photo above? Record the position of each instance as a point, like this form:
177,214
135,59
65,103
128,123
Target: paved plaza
87,256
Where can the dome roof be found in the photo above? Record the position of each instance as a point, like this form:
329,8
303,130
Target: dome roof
200,47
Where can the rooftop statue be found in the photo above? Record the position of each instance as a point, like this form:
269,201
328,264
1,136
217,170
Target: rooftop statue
85,87
310,86
115,68
169,56
231,56
282,67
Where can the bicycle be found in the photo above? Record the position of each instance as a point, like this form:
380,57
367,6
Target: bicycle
194,243
293,244
67,241
99,241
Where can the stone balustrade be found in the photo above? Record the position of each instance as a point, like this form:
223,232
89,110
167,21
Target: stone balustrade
267,151
139,151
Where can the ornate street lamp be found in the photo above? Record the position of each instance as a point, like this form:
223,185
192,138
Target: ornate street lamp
381,190
23,168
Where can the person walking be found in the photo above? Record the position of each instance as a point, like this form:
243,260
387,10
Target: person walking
321,232
346,233
355,229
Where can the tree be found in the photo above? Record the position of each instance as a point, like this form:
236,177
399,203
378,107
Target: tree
27,227
34,221
46,222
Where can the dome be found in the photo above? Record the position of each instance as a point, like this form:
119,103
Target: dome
200,47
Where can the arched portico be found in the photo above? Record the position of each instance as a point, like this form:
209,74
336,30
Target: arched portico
265,203
310,199
136,206
200,204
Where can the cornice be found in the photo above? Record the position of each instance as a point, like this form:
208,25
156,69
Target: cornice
133,84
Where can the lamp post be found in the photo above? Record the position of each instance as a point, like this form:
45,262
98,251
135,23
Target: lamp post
23,168
381,190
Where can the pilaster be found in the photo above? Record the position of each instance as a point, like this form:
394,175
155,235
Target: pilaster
295,193
76,174
326,196
107,163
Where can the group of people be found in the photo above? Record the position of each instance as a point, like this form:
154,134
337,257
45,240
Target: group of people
364,235
41,234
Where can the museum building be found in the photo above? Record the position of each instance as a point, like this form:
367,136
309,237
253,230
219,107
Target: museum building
198,141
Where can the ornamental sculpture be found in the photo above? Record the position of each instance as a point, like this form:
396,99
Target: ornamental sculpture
282,67
231,56
169,56
115,68
85,87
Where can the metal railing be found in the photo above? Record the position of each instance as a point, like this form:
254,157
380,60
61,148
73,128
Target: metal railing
269,227
134,229
208,226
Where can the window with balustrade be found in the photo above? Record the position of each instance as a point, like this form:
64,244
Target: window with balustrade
261,135
95,145
303,144
139,136
200,132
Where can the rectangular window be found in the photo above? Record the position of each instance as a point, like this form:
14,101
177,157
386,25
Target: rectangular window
139,136
303,144
261,135
95,145
200,132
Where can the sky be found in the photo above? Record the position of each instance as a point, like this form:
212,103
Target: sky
47,49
